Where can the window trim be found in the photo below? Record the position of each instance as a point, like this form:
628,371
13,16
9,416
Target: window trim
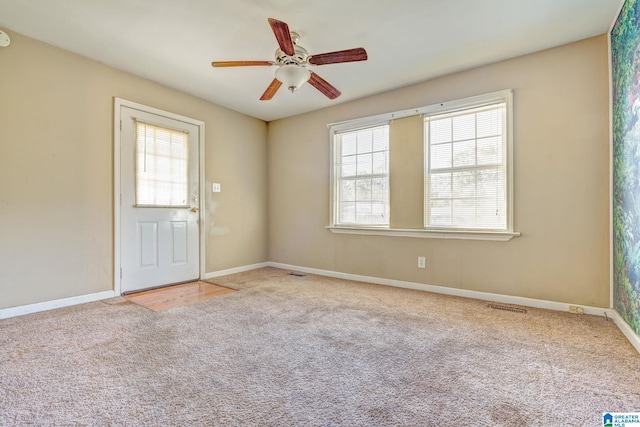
437,233
501,236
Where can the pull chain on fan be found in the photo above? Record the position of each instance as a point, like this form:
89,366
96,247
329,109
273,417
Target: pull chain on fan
292,61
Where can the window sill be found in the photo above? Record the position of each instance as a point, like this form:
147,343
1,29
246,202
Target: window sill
501,236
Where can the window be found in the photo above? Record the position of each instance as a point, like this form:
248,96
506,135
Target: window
466,167
161,166
362,176
439,171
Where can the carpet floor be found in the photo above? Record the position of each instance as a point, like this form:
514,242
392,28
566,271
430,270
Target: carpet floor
313,351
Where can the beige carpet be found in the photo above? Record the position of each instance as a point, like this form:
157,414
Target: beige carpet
313,351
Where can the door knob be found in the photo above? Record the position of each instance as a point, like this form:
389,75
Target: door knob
194,209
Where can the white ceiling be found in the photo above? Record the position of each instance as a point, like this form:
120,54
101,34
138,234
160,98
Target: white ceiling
408,41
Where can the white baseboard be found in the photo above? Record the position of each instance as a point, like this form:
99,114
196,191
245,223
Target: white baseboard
505,299
5,313
50,305
236,270
626,330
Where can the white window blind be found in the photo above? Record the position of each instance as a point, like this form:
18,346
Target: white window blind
162,177
362,176
466,168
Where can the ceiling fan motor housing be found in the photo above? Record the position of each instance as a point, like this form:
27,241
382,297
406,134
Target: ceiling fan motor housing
299,58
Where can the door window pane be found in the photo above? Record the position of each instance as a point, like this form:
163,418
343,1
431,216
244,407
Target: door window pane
161,166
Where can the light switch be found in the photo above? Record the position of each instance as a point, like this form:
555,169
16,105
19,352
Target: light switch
215,187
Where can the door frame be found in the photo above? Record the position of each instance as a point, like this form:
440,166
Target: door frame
117,182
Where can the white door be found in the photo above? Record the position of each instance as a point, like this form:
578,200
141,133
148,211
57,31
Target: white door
159,190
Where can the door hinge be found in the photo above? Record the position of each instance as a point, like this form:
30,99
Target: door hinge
120,124
121,273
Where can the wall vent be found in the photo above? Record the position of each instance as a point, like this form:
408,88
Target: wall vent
507,308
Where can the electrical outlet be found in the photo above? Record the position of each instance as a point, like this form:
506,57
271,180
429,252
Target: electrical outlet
575,309
422,262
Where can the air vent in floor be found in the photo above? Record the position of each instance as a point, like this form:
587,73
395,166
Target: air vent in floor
507,308
297,274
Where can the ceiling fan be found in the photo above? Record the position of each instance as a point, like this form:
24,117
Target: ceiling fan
292,61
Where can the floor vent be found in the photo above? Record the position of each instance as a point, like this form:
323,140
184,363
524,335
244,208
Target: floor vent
297,274
507,308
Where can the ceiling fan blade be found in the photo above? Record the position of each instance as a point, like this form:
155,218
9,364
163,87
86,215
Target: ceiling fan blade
281,31
323,86
271,90
349,55
240,63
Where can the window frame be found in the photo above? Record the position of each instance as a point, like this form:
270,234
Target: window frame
336,159
439,233
477,102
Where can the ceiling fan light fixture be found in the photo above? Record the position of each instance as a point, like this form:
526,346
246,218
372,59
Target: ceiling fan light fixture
292,60
292,76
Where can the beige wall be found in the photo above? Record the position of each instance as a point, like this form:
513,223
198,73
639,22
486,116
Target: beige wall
56,173
56,212
406,172
561,155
